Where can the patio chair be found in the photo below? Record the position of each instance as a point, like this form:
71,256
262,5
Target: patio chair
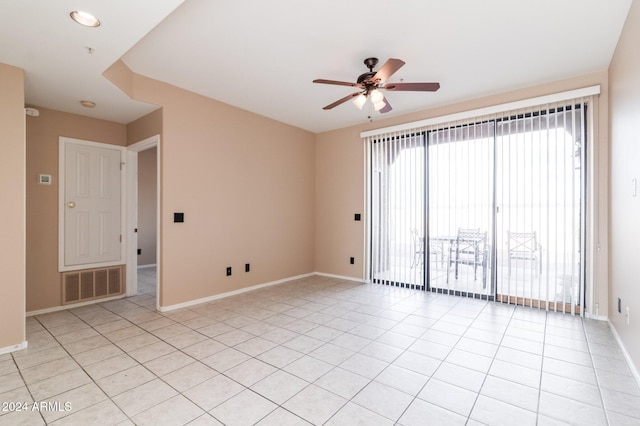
524,246
418,248
469,248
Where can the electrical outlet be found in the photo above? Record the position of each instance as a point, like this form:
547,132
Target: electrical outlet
628,316
357,216
352,260
139,252
228,270
247,267
619,305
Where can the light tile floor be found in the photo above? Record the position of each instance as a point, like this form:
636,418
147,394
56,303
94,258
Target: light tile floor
317,350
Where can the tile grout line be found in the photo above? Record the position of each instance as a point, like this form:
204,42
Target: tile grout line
22,377
415,397
604,407
544,348
374,306
492,361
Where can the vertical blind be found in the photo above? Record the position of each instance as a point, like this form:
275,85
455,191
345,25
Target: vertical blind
541,176
489,207
398,191
460,212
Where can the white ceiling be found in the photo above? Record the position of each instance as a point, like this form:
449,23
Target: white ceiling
40,37
263,55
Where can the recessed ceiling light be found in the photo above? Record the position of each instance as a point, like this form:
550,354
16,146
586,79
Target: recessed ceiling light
84,18
88,104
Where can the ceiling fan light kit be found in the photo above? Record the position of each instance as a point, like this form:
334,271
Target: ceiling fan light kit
371,83
360,100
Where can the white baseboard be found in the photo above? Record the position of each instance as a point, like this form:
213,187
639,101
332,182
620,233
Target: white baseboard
341,277
632,366
14,348
71,306
596,317
229,293
151,265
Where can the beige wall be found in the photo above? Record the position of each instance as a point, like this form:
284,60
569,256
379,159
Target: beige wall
145,127
12,194
340,194
245,184
625,166
43,278
340,182
147,206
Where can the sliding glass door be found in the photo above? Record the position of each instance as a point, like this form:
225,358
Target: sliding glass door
540,176
492,208
460,209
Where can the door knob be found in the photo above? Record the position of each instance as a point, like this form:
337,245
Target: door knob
71,204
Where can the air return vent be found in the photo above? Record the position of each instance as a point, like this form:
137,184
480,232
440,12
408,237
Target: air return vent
80,286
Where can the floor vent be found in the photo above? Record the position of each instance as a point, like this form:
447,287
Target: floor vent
80,286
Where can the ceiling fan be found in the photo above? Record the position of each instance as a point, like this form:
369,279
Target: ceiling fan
370,83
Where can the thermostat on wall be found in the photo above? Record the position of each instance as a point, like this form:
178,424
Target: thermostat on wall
44,179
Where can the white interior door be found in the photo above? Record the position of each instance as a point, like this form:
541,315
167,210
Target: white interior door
91,204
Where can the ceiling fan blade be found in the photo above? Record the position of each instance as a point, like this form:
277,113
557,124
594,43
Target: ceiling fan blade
415,87
386,107
387,70
341,101
339,83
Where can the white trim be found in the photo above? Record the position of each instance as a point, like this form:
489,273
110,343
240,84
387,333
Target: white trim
342,277
366,213
62,142
145,144
151,265
494,109
230,293
132,213
23,274
75,305
596,317
18,347
131,168
627,357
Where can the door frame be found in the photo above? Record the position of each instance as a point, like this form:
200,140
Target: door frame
62,143
132,214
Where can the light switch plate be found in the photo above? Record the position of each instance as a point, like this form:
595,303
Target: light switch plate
44,179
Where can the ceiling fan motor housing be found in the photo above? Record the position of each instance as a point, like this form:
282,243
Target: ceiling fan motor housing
366,79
